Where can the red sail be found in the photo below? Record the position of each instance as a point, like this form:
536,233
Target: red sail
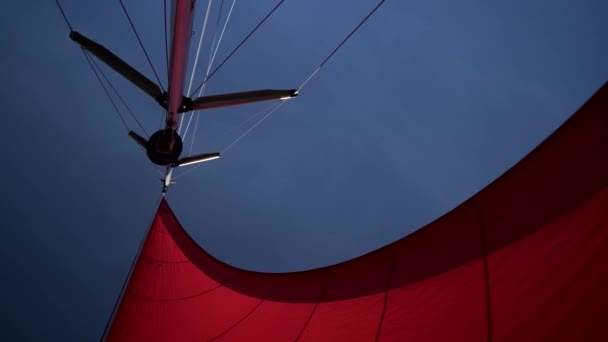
525,259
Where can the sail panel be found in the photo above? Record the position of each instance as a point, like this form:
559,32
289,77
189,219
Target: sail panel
524,259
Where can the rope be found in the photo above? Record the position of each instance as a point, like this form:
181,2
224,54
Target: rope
193,135
253,127
124,103
217,24
217,47
163,118
200,43
166,39
98,71
214,50
64,16
311,75
341,44
277,106
198,52
270,110
89,60
248,119
142,45
239,46
213,53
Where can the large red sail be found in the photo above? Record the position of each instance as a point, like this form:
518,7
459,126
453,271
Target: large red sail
525,259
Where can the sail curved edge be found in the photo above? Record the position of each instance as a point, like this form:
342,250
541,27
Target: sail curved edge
524,259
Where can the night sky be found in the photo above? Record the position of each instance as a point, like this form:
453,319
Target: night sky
428,103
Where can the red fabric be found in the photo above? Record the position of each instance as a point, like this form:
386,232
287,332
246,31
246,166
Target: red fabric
526,259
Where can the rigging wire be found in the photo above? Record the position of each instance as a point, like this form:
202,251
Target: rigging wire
64,16
214,49
200,44
92,63
142,45
252,117
325,61
193,133
213,53
89,60
164,114
198,52
163,118
166,39
217,24
311,75
341,44
254,126
238,46
124,103
99,71
268,111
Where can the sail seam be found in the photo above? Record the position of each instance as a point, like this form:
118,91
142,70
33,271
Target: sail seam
249,313
182,298
315,308
388,287
486,270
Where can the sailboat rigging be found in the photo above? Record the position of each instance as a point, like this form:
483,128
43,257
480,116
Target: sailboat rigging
165,147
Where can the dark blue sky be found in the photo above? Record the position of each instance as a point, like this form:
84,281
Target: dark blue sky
429,102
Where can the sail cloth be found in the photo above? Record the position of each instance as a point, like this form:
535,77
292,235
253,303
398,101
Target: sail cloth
525,259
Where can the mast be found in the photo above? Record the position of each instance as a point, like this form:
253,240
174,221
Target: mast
181,32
